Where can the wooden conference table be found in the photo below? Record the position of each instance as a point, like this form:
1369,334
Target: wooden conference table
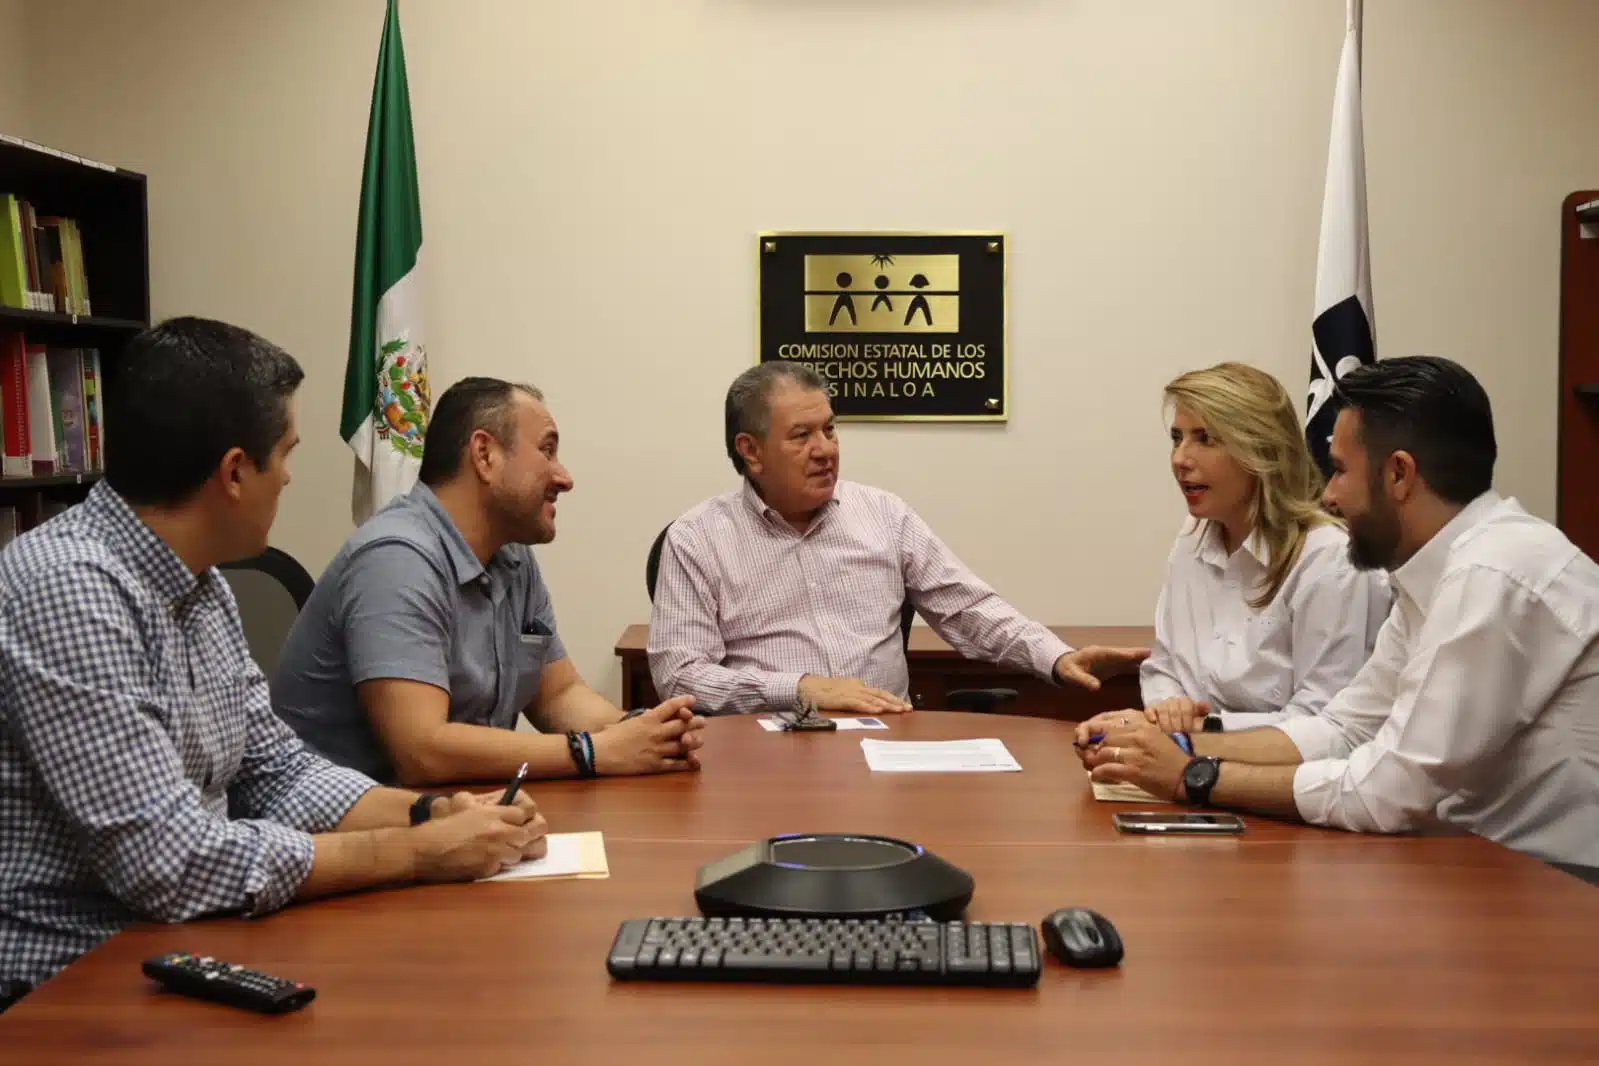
1287,945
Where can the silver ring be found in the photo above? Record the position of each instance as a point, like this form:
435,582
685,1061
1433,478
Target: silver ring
1115,755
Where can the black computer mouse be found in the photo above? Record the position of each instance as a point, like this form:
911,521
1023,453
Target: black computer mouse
1080,937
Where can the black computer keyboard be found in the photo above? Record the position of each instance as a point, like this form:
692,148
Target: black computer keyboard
826,951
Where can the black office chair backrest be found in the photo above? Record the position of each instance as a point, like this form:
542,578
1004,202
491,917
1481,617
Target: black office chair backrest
271,588
652,565
907,615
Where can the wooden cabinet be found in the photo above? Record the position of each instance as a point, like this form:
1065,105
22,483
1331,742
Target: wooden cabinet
1577,491
936,669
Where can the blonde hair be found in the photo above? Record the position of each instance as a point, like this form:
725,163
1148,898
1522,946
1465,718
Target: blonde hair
1249,414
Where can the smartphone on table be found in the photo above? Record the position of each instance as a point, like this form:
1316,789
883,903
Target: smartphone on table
1163,822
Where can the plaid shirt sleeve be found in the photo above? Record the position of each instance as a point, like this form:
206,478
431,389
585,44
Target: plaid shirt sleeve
282,780
86,710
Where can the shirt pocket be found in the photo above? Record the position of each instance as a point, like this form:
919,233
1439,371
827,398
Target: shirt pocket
528,660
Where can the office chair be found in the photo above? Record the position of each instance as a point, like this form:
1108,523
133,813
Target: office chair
270,588
652,565
978,700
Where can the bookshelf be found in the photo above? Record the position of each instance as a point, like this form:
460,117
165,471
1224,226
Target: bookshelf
107,206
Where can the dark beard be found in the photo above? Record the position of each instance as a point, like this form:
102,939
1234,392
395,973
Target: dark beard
525,524
1374,539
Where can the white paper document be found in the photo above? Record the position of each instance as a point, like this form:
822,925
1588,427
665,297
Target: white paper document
772,725
986,756
569,855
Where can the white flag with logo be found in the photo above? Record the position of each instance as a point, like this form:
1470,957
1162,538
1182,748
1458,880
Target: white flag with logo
1343,334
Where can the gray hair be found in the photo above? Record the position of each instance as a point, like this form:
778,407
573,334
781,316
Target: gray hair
749,400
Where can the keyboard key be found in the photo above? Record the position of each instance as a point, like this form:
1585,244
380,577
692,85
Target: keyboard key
768,962
1023,958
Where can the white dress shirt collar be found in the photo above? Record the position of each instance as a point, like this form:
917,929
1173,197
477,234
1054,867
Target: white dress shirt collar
1418,576
1213,551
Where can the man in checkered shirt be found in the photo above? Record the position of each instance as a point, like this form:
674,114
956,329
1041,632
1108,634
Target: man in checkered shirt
788,590
143,775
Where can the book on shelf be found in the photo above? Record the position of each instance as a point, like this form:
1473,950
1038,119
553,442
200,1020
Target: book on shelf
51,409
41,260
17,460
41,427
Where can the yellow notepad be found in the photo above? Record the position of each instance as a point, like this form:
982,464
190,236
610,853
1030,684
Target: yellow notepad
1123,793
579,855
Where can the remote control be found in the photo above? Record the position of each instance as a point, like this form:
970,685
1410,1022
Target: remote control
203,977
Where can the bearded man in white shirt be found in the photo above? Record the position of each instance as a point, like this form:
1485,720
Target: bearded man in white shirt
788,589
1480,703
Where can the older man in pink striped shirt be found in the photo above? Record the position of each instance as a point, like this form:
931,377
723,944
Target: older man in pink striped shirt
788,589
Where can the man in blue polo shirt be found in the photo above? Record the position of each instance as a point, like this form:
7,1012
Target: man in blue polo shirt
431,630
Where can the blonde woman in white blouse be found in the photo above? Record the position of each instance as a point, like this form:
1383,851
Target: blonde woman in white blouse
1262,616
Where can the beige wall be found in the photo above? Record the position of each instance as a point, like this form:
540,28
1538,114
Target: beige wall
592,175
14,68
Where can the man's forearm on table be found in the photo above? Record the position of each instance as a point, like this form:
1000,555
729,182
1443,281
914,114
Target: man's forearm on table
352,861
457,752
1267,790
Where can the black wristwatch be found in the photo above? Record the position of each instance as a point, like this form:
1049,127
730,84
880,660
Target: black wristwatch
422,809
1199,777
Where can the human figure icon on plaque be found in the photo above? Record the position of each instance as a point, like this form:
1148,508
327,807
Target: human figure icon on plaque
882,299
919,302
845,301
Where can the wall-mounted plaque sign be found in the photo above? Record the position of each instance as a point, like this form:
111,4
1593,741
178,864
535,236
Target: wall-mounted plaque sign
903,326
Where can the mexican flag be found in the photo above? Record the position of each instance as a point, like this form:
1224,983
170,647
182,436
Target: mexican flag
386,395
